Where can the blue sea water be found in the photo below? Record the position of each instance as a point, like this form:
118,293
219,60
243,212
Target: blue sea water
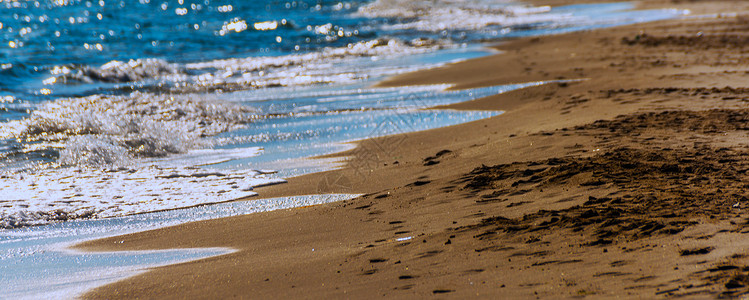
39,36
114,108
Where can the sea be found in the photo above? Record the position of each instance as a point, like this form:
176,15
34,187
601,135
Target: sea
122,116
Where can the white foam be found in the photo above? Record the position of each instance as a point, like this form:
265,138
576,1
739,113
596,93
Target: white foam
44,196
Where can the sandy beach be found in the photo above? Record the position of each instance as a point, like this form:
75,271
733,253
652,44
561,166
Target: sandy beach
627,179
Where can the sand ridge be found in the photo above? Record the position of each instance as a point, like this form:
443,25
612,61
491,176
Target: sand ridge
627,184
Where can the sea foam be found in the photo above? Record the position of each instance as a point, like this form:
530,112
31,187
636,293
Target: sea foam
44,196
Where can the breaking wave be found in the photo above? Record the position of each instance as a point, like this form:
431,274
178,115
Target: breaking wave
377,47
117,71
249,72
104,130
456,15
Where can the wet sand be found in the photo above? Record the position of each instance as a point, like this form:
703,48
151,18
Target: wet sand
629,183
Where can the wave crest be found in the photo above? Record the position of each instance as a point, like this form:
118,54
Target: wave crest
455,15
118,71
109,130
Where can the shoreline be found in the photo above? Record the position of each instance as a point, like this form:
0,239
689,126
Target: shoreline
427,219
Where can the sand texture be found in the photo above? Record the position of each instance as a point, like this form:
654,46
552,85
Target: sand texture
629,183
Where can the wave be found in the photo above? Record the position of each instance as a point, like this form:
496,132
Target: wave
456,15
376,47
248,72
116,71
106,130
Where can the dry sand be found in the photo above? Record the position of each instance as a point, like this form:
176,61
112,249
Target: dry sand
631,183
